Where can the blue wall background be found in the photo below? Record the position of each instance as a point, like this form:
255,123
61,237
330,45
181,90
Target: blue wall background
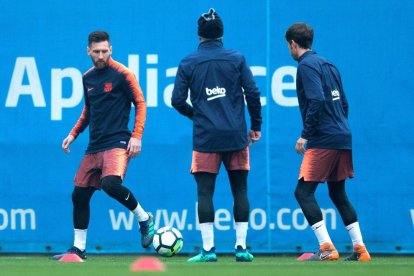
370,42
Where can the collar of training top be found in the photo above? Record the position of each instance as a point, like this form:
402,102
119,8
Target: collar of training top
210,43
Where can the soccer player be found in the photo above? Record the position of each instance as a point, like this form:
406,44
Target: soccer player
325,141
109,89
219,81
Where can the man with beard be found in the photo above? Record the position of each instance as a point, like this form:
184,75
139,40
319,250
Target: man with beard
109,89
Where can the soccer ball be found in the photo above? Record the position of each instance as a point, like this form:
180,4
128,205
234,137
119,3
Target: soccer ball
167,241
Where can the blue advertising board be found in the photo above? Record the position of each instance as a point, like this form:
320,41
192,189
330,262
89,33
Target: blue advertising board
43,57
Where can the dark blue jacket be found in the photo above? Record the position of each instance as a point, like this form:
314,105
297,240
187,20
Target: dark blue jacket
322,103
219,81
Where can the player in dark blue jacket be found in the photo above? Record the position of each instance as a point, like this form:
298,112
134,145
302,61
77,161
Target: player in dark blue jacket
219,82
326,142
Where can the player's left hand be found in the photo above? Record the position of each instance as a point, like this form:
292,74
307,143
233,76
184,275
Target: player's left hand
300,145
254,136
134,147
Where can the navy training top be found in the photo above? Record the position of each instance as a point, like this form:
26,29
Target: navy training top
219,82
323,104
108,94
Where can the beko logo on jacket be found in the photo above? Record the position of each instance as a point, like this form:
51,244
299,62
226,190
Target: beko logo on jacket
216,92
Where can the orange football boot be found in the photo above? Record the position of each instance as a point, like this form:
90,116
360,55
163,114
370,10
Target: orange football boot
360,254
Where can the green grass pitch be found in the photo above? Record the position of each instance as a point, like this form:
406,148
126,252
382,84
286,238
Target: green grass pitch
101,265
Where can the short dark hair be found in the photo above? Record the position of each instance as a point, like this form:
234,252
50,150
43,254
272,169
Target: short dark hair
98,36
301,33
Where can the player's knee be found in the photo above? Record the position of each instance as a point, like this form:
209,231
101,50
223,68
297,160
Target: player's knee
299,195
76,196
81,196
204,195
333,197
205,191
110,183
338,197
239,191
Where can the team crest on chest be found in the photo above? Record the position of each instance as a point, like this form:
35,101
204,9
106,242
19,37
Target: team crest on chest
108,87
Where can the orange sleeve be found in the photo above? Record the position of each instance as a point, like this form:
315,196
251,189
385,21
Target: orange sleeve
82,123
139,103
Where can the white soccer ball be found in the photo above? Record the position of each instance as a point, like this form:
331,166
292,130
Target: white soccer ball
167,241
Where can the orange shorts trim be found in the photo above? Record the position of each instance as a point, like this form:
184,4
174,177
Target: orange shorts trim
96,166
211,161
320,165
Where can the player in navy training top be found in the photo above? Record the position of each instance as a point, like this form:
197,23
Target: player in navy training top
326,142
109,89
220,81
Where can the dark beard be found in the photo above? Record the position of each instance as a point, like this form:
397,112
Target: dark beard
100,64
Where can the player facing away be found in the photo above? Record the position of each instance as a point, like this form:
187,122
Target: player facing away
109,89
325,141
219,81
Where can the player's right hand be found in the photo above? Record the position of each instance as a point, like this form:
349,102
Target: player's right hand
301,145
66,142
